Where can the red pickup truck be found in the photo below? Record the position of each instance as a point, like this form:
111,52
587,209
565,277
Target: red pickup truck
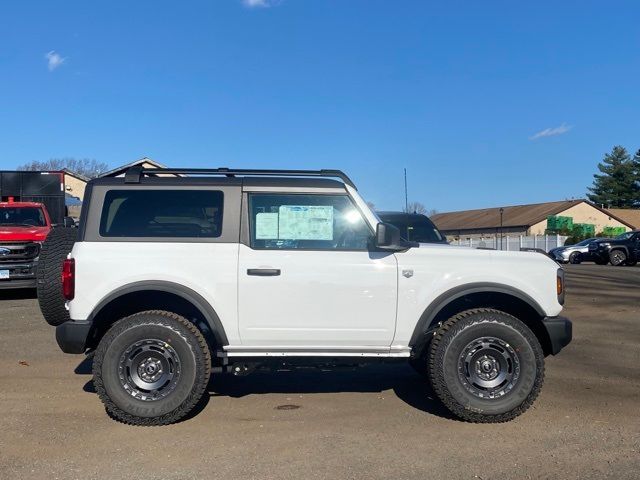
23,228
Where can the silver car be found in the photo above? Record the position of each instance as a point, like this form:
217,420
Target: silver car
573,253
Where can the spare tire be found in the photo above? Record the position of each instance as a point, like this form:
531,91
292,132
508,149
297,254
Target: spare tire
55,249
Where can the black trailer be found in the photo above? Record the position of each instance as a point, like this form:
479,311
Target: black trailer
42,187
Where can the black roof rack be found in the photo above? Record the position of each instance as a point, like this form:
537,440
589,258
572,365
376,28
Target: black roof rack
133,174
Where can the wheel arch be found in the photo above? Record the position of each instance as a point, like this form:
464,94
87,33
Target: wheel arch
156,295
480,295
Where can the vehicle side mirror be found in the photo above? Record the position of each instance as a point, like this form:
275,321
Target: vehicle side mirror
68,222
388,237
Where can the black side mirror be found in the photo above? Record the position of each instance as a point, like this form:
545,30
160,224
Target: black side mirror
388,237
68,222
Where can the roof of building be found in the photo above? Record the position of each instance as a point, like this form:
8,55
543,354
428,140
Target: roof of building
123,168
513,216
76,175
627,215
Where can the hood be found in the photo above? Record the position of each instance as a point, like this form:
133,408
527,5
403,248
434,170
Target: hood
23,234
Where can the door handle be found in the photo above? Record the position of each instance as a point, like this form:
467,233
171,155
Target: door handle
264,272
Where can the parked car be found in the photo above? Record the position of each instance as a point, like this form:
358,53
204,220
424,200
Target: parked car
414,227
31,203
172,278
622,250
576,253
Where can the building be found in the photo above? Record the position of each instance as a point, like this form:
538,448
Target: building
628,215
74,184
144,162
525,219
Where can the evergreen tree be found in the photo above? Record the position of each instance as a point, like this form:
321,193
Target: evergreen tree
617,184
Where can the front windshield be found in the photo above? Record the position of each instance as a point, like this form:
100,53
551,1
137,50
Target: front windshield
625,236
22,217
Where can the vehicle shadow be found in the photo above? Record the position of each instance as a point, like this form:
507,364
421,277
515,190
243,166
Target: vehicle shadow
18,294
407,385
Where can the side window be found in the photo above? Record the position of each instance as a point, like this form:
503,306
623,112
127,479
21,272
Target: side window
162,213
306,222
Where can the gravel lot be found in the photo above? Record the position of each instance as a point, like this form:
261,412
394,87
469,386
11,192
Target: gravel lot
378,422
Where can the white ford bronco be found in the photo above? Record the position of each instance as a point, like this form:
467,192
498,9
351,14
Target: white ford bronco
174,274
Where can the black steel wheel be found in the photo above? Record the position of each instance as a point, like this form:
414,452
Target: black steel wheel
151,368
617,257
486,366
575,258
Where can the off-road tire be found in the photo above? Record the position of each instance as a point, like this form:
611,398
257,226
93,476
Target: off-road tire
445,352
55,249
617,257
574,258
194,360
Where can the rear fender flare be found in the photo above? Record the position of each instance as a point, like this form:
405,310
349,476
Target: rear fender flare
193,297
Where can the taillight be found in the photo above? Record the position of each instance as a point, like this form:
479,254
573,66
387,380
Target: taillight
69,278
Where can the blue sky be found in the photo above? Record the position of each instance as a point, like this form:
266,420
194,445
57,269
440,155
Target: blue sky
485,103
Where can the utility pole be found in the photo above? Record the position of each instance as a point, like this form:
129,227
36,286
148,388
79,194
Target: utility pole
406,196
501,213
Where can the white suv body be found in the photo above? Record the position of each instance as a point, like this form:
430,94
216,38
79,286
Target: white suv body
287,267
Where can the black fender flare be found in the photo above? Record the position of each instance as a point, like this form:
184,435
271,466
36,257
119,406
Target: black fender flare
444,299
193,297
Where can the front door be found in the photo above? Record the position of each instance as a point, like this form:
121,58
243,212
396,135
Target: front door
307,278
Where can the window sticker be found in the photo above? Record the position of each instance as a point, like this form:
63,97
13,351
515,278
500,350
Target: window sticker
299,222
266,226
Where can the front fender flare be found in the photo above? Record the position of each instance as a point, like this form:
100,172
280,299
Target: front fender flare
444,299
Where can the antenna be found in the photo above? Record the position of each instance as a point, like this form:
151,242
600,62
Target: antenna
406,196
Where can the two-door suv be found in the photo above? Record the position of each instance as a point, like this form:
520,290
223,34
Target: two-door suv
178,273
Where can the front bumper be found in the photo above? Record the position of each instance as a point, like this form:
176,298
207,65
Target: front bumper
72,336
560,332
21,275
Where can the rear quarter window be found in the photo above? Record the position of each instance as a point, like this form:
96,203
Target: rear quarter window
162,213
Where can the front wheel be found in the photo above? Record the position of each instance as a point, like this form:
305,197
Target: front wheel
575,258
486,366
151,368
617,258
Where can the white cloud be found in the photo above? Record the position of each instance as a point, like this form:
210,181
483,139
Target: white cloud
552,132
54,60
260,3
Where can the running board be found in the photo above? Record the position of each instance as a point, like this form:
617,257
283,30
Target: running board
242,351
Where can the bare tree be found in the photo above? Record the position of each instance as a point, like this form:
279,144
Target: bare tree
415,207
87,167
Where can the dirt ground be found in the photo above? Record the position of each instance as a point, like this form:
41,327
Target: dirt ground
377,422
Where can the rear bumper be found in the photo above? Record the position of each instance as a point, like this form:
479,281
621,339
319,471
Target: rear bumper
560,332
72,336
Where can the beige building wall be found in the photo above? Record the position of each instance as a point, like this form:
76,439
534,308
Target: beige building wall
582,213
74,186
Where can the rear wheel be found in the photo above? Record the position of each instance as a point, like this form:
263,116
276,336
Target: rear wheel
486,366
151,368
55,249
617,257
